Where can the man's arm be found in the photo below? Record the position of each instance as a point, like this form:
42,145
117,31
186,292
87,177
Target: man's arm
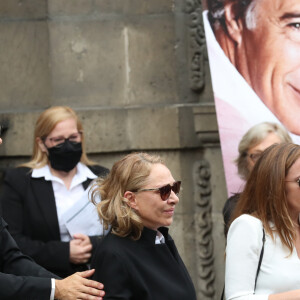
24,287
14,266
22,278
77,286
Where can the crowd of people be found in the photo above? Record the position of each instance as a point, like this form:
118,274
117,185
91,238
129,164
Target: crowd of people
49,248
126,248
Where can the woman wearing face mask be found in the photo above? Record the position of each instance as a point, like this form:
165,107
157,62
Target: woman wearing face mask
37,194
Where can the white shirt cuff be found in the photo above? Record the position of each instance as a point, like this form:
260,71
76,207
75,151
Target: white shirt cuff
52,289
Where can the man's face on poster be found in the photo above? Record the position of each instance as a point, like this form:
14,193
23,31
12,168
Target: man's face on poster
268,57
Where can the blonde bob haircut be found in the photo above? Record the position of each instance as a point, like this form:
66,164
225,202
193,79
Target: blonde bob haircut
45,123
254,136
128,174
264,195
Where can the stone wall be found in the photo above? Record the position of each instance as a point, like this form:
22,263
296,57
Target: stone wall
136,71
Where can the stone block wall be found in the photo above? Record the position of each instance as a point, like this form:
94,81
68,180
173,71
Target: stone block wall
136,71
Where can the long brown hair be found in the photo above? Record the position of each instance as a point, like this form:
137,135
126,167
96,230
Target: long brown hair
264,195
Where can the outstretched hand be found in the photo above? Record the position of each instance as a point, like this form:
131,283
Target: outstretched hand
77,286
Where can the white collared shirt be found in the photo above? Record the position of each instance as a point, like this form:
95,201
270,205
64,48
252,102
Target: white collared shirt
65,198
159,239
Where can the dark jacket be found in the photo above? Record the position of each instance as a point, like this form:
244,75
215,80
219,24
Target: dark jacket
20,277
29,209
228,209
142,270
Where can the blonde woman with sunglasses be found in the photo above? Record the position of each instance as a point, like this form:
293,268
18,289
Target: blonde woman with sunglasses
138,258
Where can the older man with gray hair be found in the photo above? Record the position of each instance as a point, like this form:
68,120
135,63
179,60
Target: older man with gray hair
261,38
254,55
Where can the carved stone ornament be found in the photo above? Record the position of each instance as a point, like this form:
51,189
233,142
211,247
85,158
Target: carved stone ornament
204,240
197,45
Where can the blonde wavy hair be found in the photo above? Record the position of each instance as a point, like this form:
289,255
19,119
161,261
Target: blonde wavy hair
45,123
128,174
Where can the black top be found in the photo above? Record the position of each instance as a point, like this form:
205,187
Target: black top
29,208
228,209
142,270
20,277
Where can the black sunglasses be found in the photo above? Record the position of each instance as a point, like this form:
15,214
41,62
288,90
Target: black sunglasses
165,191
297,181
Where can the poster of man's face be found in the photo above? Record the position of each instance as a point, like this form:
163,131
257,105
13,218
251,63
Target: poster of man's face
254,56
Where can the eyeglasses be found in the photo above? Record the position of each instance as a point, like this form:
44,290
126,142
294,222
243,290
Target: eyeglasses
297,181
165,191
255,156
73,138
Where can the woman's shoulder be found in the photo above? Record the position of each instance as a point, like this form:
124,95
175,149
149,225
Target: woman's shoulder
98,170
114,247
246,226
18,172
115,242
247,219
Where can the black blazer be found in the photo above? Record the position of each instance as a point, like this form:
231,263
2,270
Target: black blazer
29,209
228,209
142,270
20,277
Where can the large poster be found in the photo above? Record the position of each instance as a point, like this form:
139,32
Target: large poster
254,56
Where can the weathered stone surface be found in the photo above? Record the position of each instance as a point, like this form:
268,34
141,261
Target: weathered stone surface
113,62
100,7
18,140
113,130
24,72
219,192
219,252
206,124
136,71
149,51
218,198
87,63
183,233
13,9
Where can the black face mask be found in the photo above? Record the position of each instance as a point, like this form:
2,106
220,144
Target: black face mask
65,156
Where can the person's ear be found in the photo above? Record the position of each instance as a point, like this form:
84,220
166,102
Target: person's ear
234,24
40,143
131,200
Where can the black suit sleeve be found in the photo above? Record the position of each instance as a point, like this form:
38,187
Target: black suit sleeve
20,277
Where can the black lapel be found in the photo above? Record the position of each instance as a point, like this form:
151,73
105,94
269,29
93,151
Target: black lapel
44,195
86,183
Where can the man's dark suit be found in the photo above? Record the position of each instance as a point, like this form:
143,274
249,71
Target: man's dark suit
30,210
20,277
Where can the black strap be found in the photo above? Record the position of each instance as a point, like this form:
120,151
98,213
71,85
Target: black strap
260,257
259,263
